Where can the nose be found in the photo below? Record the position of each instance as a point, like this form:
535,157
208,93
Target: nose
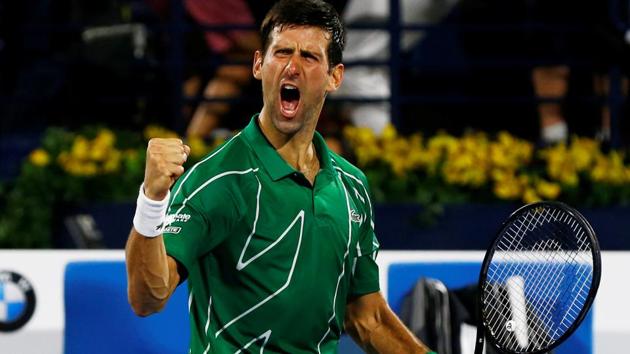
293,66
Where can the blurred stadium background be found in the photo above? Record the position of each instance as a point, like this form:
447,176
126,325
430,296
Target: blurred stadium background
457,110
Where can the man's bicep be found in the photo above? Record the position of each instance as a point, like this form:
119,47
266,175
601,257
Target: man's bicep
366,304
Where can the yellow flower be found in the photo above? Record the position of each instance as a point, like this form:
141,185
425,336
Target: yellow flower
105,138
507,188
39,157
398,166
583,151
505,138
365,136
560,165
416,157
89,169
367,154
112,164
548,190
98,153
75,167
570,178
609,169
530,196
499,157
502,174
599,171
389,133
80,148
509,152
443,142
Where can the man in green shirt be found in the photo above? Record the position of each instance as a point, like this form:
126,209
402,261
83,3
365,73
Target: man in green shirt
273,231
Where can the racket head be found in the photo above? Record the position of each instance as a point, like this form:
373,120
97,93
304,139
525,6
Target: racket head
527,272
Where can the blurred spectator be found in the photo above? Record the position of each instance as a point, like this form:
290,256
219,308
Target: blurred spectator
374,81
568,48
228,79
601,45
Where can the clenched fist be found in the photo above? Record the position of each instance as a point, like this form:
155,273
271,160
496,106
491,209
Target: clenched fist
165,160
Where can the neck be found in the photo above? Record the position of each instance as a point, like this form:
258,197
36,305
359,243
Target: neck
296,149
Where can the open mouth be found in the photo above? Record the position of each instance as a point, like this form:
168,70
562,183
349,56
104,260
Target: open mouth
289,99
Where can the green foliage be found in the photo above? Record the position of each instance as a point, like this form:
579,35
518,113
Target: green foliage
73,169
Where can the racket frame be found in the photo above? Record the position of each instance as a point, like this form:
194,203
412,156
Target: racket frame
483,274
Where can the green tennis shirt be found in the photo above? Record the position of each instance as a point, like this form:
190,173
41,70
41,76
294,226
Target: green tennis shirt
271,260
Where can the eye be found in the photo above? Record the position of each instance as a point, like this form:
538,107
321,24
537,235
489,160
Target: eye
284,51
310,57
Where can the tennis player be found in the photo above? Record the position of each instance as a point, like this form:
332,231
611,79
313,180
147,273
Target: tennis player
273,231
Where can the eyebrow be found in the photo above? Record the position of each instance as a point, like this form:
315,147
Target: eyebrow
302,51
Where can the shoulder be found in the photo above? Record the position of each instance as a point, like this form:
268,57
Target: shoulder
348,171
355,181
215,173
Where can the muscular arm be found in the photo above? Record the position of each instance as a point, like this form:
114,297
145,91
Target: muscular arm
151,275
375,327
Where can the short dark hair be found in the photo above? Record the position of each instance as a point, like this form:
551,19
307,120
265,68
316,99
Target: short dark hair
317,13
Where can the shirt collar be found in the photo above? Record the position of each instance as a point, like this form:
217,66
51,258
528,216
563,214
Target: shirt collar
275,165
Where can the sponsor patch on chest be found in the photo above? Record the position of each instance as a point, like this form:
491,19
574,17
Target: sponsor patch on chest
356,217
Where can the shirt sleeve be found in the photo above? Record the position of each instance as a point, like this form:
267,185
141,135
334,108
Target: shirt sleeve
365,278
195,224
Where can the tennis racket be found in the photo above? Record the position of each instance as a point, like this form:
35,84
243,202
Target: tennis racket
538,279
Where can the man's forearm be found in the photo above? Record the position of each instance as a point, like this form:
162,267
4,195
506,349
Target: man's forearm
391,336
375,327
151,275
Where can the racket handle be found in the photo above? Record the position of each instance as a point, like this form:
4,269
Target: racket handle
479,341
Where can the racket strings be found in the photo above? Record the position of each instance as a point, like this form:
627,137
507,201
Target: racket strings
547,245
551,252
502,315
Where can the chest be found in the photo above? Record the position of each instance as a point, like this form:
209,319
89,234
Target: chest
286,226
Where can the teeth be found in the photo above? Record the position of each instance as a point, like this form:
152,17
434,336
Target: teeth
289,87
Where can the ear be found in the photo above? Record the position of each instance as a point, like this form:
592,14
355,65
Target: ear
335,78
257,66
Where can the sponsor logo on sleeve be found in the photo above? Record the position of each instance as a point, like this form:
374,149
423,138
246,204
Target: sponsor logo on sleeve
182,218
172,229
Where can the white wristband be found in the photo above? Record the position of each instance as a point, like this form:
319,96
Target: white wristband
150,214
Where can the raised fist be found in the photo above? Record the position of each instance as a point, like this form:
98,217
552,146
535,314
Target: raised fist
165,160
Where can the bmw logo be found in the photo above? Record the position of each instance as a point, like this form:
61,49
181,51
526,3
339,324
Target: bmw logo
17,301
